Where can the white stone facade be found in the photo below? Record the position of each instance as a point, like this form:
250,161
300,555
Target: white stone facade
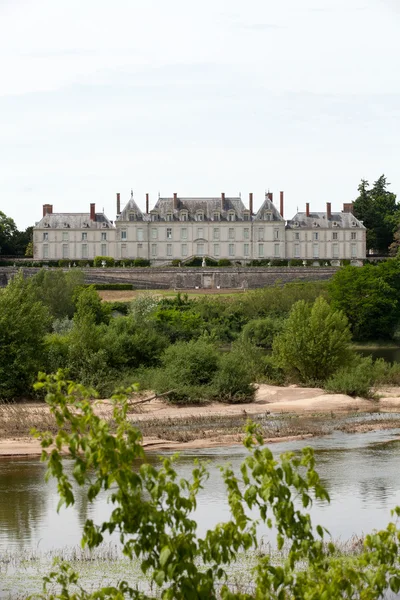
181,228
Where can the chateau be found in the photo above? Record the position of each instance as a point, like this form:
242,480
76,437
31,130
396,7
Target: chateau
181,228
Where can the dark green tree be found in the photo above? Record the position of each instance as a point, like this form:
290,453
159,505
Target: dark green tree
378,210
8,229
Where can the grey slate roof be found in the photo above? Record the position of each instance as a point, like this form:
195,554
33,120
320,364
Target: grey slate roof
208,206
73,221
268,206
131,207
343,220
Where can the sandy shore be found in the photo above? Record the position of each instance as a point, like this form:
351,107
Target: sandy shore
309,403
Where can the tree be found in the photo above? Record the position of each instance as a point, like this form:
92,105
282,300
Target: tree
314,343
368,296
24,321
378,210
7,230
153,511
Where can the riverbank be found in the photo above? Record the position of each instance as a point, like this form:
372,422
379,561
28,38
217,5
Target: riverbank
283,413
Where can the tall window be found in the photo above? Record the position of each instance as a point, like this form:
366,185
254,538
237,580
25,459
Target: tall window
246,249
169,249
123,234
103,235
315,251
246,233
276,234
45,236
84,235
169,233
45,251
260,233
104,250
154,249
260,250
297,250
200,232
216,249
353,251
65,236
297,235
231,233
335,250
231,249
154,233
123,251
84,251
200,249
315,235
277,250
65,251
184,249
216,233
183,233
140,235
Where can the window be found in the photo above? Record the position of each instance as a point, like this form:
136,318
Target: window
297,250
103,235
353,251
335,250
123,235
183,233
154,249
104,250
246,233
65,251
84,251
246,249
231,249
260,234
154,217
260,250
169,217
231,216
216,249
84,236
140,235
216,216
45,236
45,251
169,249
246,216
276,234
123,251
132,216
200,216
184,249
216,233
315,235
315,251
200,249
231,233
199,232
267,216
334,235
169,233
297,235
353,235
65,236
184,216
277,250
153,233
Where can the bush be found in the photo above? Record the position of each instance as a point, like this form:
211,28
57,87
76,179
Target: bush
109,261
354,380
233,381
295,262
261,332
224,262
275,262
113,286
188,368
141,262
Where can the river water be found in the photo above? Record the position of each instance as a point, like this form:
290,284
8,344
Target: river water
360,471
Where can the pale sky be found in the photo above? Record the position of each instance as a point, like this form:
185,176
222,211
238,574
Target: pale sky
196,98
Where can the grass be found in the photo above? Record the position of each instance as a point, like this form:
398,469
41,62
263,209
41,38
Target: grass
126,295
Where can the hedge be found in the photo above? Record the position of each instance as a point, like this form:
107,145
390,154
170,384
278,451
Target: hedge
113,286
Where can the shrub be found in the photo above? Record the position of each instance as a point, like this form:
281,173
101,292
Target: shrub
196,261
354,380
188,368
224,262
141,262
314,343
295,262
261,332
108,260
113,286
176,262
233,382
276,262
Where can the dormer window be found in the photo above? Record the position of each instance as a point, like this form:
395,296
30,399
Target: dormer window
217,216
353,224
246,216
315,224
200,216
334,224
168,217
154,216
268,216
132,216
231,216
184,216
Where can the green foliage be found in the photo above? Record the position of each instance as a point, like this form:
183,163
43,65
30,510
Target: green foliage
88,304
378,210
108,260
353,380
314,343
153,512
57,290
7,231
262,332
24,321
141,262
29,250
368,296
295,262
224,262
187,370
113,286
233,382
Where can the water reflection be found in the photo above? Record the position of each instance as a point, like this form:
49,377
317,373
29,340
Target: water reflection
360,471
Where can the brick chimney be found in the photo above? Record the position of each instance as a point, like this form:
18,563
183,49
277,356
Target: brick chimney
118,203
222,201
47,209
175,205
348,207
147,204
270,196
92,212
251,203
328,210
281,203
307,209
